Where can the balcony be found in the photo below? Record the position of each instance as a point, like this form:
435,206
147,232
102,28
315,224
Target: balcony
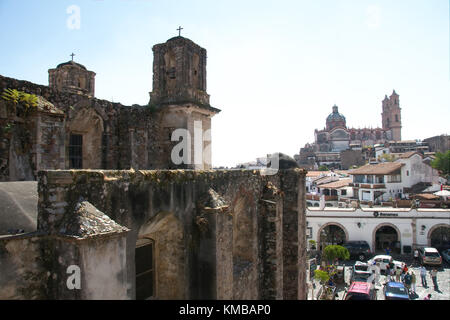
368,186
317,197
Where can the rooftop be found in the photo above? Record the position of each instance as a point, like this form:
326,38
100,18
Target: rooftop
337,184
380,169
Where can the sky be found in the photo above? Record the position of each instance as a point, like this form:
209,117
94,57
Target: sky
275,68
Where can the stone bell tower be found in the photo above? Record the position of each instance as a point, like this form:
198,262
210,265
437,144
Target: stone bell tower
179,94
391,116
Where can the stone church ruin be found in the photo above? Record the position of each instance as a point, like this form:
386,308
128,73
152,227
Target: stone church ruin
116,218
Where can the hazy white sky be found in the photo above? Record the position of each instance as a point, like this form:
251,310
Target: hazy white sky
275,68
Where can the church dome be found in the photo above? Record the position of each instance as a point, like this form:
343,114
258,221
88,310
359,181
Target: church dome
335,119
71,63
335,115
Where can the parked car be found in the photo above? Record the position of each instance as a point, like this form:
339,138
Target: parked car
361,291
446,255
430,256
385,260
362,276
395,291
358,249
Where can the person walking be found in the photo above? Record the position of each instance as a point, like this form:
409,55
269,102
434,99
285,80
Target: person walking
423,276
388,273
433,274
413,282
404,272
416,256
377,273
408,281
392,271
398,273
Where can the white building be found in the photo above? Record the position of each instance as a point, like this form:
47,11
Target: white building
381,228
390,180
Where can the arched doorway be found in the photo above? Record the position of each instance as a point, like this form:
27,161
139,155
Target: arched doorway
387,236
439,237
332,234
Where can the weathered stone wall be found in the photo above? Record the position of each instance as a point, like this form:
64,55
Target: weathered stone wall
34,266
215,252
114,136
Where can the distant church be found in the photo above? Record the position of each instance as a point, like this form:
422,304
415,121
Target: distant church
336,137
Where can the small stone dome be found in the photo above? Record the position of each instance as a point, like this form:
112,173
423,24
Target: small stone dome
71,63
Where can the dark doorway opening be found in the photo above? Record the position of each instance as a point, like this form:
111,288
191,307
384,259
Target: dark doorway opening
145,271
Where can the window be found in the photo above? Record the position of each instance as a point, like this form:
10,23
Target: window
144,269
76,151
396,118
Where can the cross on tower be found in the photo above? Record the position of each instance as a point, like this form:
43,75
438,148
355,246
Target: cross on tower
72,55
179,30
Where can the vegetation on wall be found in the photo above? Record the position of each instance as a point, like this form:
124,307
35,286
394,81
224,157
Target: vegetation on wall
21,100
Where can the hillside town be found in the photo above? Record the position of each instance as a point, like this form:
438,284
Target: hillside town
101,200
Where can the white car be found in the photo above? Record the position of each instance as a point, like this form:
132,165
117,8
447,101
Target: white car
384,260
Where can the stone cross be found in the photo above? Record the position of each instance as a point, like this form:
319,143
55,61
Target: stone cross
72,55
179,30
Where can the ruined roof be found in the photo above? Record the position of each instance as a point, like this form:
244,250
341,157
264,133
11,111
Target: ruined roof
213,201
87,221
18,207
381,168
46,106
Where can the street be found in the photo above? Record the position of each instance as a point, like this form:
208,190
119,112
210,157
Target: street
443,279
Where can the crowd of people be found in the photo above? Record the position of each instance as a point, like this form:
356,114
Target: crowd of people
408,277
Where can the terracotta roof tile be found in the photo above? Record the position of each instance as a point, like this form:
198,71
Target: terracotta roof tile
381,168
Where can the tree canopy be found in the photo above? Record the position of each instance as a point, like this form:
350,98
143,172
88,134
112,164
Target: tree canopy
332,252
442,163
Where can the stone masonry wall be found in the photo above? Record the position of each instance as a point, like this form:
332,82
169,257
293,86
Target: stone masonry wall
125,139
227,242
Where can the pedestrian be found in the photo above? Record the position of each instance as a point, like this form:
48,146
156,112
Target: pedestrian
398,273
408,282
428,297
404,272
413,282
388,251
423,276
433,274
392,271
388,273
377,273
416,256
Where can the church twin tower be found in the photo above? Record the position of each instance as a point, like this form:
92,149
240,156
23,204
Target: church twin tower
179,96
391,116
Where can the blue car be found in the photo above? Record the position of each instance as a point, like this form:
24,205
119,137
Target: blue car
395,291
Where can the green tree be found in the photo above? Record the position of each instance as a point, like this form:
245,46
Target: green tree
442,163
387,157
333,252
323,168
321,275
